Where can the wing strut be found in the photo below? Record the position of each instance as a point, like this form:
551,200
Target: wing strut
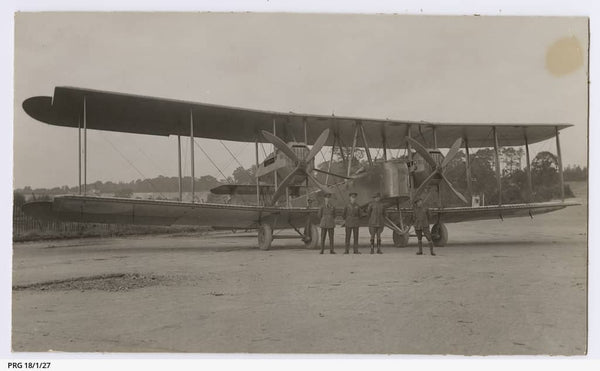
529,180
468,168
275,151
410,161
79,150
192,150
353,149
84,146
497,158
331,159
364,138
257,181
560,167
179,167
383,141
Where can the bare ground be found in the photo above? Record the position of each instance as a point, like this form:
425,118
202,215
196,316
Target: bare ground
512,287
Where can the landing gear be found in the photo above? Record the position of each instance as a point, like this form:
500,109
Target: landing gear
439,235
265,236
400,240
311,237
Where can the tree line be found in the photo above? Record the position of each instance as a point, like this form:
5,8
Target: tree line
544,168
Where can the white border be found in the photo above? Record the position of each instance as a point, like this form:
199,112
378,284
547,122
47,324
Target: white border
588,8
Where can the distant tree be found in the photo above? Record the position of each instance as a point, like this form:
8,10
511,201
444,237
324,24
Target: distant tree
18,199
244,176
546,183
544,168
511,159
575,173
484,175
206,182
125,193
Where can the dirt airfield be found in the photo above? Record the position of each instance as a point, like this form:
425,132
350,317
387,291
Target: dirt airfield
500,287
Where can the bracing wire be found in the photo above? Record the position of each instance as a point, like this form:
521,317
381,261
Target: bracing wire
234,157
263,149
211,161
131,164
148,157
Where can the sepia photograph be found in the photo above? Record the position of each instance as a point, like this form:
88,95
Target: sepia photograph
288,183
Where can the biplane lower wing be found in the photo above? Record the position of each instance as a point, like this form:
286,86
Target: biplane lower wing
157,212
465,214
250,189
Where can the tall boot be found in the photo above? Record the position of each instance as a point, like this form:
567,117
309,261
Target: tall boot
379,246
431,248
331,243
355,242
420,252
372,247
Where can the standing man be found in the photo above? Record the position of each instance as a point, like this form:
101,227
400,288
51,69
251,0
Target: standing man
421,224
376,213
327,224
351,220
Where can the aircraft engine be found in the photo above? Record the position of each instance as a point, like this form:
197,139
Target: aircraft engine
395,180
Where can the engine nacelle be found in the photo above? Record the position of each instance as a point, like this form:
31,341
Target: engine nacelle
395,179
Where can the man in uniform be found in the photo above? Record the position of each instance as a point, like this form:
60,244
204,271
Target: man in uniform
421,224
351,216
327,224
376,214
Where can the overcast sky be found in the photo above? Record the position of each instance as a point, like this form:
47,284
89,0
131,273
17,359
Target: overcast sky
440,69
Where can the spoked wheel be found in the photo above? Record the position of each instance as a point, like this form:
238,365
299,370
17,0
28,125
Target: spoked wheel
265,236
400,240
311,237
439,235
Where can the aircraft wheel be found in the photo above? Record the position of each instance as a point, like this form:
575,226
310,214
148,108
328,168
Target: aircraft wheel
439,235
265,236
400,240
312,241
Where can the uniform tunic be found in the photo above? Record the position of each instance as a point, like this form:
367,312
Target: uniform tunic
352,216
421,217
376,214
327,216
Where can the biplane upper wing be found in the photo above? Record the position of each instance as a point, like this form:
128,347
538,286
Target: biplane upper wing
157,212
157,116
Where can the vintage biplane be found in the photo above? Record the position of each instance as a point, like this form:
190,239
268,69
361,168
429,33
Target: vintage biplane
289,199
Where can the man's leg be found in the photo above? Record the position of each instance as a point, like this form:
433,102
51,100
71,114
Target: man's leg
348,232
331,241
427,233
372,232
323,236
379,230
355,231
420,238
